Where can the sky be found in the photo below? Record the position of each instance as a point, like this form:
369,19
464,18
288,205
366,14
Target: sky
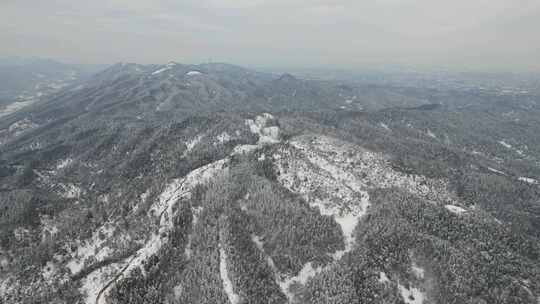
459,34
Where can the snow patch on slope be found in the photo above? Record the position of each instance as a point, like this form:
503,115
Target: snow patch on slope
496,171
302,277
64,163
528,180
191,144
100,279
227,284
70,191
267,134
455,209
48,272
167,67
411,295
21,126
418,271
244,149
91,248
161,71
283,283
504,144
383,278
93,284
269,260
223,138
7,286
509,146
15,106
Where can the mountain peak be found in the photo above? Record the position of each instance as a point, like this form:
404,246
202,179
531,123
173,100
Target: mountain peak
286,77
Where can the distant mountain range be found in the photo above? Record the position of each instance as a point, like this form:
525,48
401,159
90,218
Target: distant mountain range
24,81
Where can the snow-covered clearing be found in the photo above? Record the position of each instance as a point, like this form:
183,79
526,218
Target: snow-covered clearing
418,271
7,286
48,272
302,277
15,106
306,273
496,171
165,68
259,126
528,180
48,227
191,144
347,222
267,134
223,138
244,149
258,242
509,146
161,70
505,144
91,248
64,163
227,284
21,126
269,260
411,295
455,209
383,278
3,262
70,191
96,285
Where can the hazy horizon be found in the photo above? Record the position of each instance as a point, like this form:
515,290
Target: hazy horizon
497,35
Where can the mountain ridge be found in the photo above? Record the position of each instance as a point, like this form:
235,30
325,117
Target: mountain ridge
140,188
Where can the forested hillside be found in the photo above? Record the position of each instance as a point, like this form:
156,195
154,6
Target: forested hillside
218,184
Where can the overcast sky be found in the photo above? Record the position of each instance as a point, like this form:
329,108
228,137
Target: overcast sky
477,34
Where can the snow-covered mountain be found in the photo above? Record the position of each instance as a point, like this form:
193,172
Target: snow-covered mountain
217,184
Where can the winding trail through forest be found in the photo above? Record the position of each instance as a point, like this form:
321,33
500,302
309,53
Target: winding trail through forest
113,280
176,194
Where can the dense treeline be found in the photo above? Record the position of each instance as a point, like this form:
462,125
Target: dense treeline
472,259
234,209
293,233
465,258
251,276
